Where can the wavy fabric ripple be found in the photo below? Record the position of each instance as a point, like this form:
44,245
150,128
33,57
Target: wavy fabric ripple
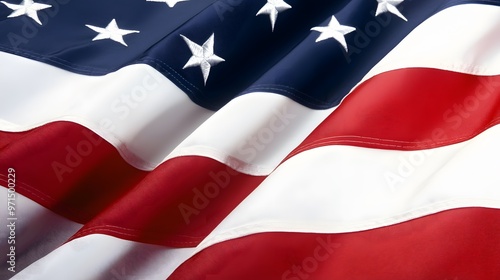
178,157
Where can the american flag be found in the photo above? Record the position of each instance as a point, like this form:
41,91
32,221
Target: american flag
250,139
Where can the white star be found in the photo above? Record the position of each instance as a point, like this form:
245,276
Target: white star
334,30
389,6
27,7
170,3
203,56
272,8
112,31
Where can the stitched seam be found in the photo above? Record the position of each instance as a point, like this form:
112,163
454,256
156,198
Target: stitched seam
332,140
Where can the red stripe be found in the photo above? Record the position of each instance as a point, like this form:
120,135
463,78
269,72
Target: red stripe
71,171
461,244
411,109
67,168
177,205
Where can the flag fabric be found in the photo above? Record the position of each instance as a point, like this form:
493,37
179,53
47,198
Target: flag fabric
250,139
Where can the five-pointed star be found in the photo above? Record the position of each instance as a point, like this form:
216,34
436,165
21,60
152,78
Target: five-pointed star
203,56
112,31
273,8
27,7
389,6
170,3
334,30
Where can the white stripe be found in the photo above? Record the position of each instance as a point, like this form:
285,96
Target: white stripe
36,231
105,257
335,189
445,41
147,134
348,185
462,38
136,109
145,130
268,127
40,253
